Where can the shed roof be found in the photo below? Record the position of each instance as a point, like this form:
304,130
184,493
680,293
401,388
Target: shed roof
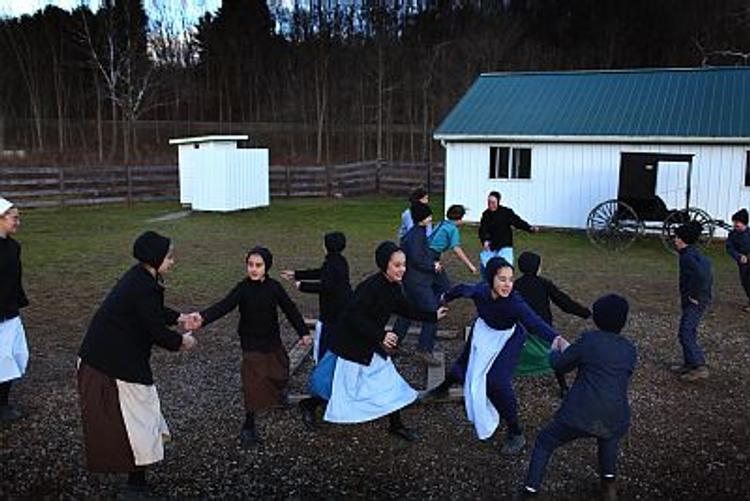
647,105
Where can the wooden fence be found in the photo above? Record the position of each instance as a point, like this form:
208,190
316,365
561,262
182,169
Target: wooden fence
60,186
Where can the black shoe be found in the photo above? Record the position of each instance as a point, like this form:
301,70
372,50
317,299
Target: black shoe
9,414
440,392
250,438
308,416
525,493
513,445
403,432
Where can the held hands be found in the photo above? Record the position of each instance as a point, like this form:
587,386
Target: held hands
743,259
442,312
306,340
287,275
438,267
190,321
560,344
390,341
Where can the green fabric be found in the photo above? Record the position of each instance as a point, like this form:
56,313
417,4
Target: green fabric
534,357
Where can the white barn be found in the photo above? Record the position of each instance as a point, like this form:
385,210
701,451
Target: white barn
557,144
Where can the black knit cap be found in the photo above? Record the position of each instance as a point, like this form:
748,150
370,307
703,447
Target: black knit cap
417,195
496,195
420,212
529,262
741,216
335,242
493,266
611,313
264,254
689,232
383,254
151,248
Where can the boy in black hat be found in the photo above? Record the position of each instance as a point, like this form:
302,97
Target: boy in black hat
539,292
696,281
738,246
597,404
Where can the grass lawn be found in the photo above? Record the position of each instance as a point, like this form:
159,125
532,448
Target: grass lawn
684,440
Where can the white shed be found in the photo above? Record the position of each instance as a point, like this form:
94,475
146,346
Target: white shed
556,144
216,175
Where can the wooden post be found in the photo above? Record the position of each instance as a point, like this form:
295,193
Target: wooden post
287,171
377,175
61,185
129,177
429,178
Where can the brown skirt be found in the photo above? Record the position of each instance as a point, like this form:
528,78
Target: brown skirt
105,438
264,378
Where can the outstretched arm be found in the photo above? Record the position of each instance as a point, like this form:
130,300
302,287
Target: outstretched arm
566,303
218,310
291,311
519,223
533,322
460,291
568,359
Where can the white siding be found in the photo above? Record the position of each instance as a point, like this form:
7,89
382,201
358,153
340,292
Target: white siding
568,180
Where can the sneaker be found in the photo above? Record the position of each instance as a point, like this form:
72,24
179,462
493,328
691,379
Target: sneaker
308,416
609,490
427,358
513,445
679,368
250,438
695,375
404,433
9,414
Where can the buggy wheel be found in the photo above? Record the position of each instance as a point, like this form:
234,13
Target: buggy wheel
680,217
613,226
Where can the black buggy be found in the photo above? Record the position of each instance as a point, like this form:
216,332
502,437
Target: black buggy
638,210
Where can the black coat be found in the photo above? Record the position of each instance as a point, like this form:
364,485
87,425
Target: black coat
258,302
420,259
361,330
738,244
129,322
597,403
696,278
331,283
496,227
12,295
538,292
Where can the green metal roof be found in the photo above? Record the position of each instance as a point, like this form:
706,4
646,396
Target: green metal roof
650,104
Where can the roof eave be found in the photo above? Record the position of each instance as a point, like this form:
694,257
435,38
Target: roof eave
589,139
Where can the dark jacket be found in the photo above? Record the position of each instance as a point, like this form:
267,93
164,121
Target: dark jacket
738,244
420,260
360,331
496,227
331,283
597,403
258,302
538,292
696,278
12,295
129,322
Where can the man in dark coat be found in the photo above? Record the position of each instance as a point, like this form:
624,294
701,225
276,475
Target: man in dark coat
597,404
738,247
696,280
496,230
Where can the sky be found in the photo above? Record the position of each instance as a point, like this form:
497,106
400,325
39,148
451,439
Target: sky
192,9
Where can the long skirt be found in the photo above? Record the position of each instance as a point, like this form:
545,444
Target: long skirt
534,359
264,378
363,393
123,427
486,345
321,378
14,352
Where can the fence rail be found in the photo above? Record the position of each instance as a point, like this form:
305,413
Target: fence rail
61,186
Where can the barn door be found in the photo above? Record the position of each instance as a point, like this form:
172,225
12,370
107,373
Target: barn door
672,183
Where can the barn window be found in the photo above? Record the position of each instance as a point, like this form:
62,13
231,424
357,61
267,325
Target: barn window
510,163
747,170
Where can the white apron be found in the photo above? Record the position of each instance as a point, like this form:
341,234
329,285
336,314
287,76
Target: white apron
316,340
147,430
14,352
486,345
366,392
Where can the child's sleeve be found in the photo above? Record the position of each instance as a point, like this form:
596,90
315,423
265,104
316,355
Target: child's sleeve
566,303
171,316
151,315
311,274
218,310
534,322
406,309
291,311
459,291
732,248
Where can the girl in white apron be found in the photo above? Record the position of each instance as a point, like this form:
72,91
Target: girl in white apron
496,342
14,353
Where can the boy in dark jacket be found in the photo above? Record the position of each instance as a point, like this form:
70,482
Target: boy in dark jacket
696,281
597,405
538,293
738,246
419,281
